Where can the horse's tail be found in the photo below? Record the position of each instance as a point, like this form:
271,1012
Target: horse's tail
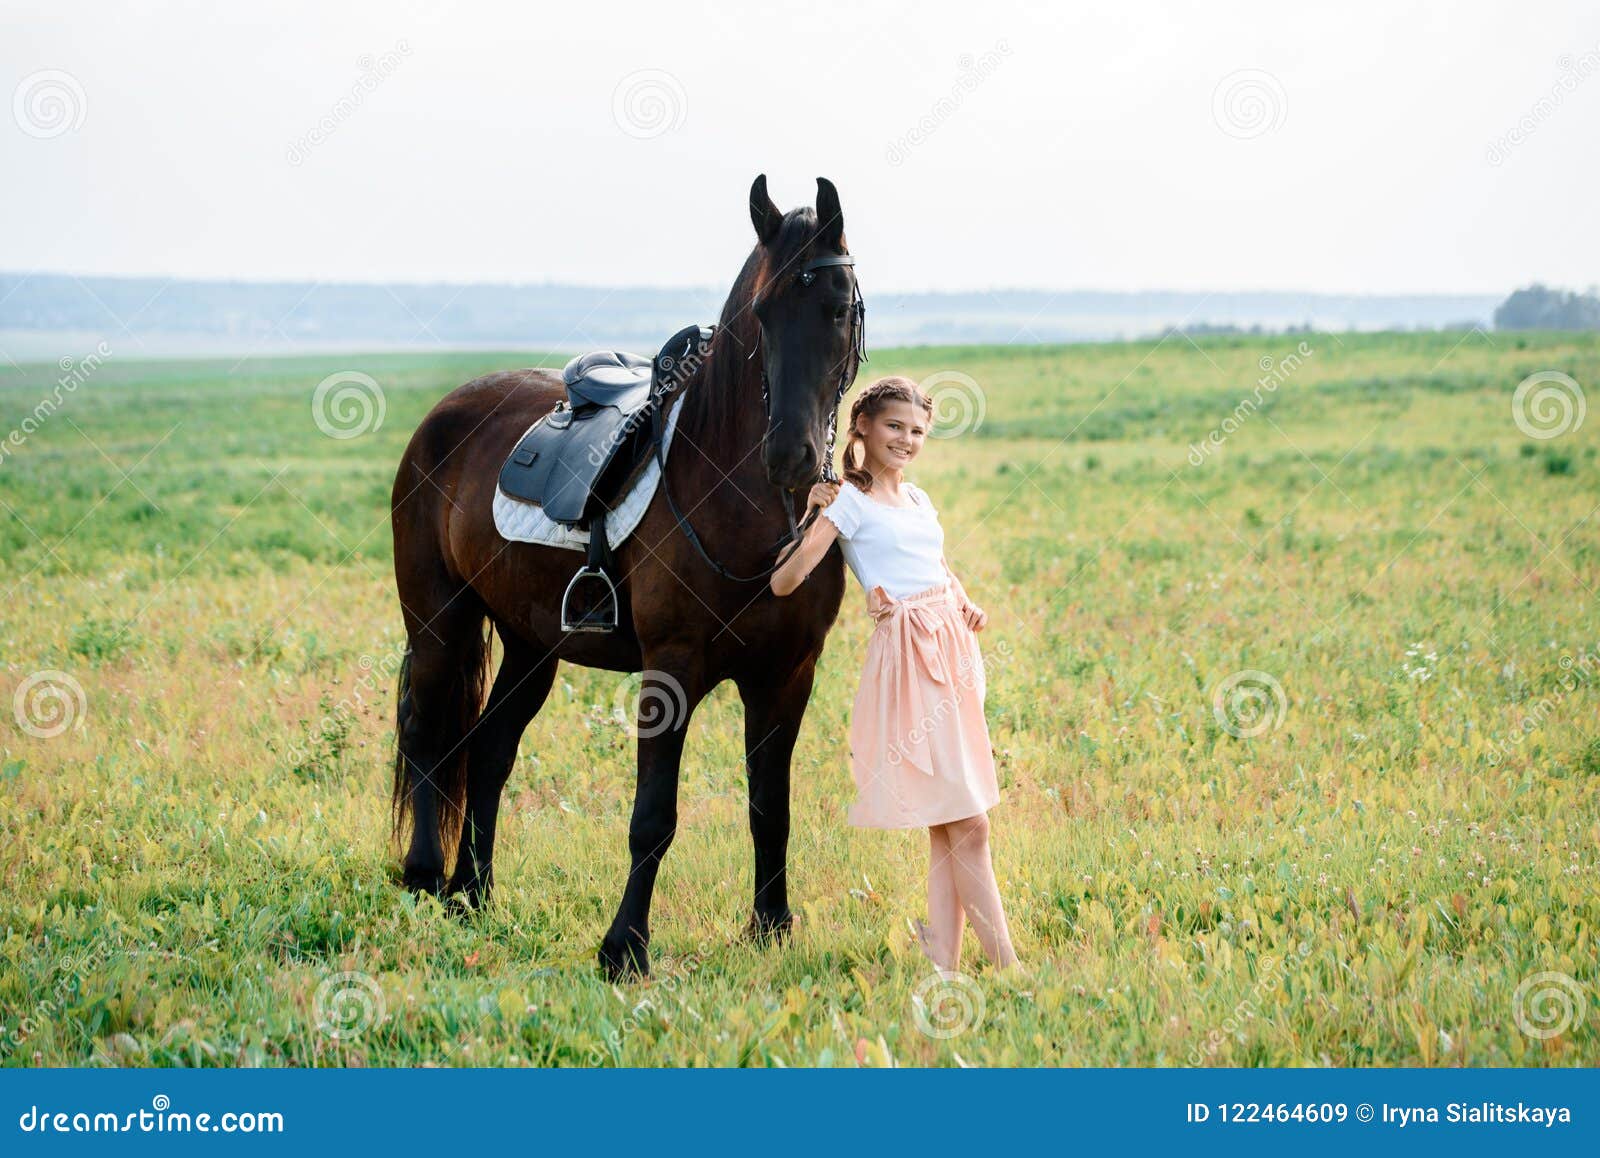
400,794
432,737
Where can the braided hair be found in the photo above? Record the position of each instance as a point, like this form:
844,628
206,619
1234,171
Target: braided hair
869,402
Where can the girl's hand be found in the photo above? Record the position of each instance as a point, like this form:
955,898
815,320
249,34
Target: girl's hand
976,617
822,495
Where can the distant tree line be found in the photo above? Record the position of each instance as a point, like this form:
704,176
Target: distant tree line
1539,307
1229,329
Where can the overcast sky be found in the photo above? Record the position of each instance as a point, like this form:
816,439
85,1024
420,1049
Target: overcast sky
1362,147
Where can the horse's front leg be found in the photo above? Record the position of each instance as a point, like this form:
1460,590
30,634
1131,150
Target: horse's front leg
772,716
667,698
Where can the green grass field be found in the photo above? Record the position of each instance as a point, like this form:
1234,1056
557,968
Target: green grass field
1393,865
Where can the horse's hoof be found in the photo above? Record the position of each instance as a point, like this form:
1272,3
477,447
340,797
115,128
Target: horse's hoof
765,928
624,959
423,880
469,894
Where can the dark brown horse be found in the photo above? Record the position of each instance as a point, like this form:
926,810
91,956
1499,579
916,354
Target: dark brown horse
735,464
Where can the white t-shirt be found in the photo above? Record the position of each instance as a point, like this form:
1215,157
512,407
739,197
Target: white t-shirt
897,547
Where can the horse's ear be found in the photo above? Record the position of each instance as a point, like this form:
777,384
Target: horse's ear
830,217
764,214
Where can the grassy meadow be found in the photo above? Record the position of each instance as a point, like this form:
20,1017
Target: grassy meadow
1295,708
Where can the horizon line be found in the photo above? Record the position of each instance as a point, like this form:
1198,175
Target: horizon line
704,288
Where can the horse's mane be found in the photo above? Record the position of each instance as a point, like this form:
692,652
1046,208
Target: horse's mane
725,400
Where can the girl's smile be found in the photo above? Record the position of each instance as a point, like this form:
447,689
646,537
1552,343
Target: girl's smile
893,436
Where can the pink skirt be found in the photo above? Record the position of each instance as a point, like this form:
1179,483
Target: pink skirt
919,743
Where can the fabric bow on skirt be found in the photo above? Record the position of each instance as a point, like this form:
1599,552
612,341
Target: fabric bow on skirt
919,743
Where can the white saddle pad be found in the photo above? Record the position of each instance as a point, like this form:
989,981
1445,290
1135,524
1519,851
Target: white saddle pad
527,523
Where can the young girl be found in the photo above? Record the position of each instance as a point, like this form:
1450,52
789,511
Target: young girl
919,744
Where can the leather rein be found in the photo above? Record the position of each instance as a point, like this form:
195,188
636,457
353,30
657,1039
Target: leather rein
847,375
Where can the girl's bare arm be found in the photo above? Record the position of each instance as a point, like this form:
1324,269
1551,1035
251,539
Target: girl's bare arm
976,617
803,559
961,592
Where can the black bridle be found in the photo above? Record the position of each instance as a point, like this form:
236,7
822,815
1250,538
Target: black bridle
847,372
847,375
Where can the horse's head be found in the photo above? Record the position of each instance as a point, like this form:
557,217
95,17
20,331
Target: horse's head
809,310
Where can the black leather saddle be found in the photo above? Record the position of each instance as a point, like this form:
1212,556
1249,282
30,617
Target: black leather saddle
608,378
580,455
577,462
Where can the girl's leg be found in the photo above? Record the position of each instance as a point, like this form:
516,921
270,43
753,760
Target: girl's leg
975,885
945,917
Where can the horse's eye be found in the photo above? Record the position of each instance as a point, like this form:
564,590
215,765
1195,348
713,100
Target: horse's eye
840,313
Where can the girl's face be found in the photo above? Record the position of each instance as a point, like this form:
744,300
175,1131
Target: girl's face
894,435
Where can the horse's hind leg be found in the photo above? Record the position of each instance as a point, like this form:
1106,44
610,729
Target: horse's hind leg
441,689
524,680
